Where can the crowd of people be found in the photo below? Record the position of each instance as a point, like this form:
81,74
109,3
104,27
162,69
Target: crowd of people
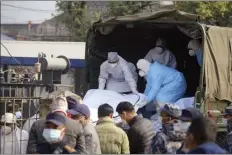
69,130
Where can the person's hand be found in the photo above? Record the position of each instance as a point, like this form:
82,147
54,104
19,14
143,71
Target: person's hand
141,104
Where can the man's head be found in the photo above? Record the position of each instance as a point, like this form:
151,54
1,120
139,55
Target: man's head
143,66
160,45
81,113
126,111
193,47
59,104
8,123
170,113
190,114
201,130
227,120
54,130
113,59
105,110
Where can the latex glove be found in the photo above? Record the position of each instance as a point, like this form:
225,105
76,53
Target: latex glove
135,91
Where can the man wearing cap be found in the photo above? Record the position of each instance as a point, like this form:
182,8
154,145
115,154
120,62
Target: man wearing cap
81,113
53,133
172,135
161,54
74,135
187,116
115,75
10,132
228,122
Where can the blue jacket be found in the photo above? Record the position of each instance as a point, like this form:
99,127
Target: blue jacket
208,148
199,55
164,84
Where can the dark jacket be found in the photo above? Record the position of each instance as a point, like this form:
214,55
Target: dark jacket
228,143
46,148
140,135
91,139
74,136
207,148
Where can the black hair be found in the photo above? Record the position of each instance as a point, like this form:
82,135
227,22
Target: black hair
203,130
105,110
125,106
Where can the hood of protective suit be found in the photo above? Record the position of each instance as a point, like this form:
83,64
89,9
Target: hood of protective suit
143,65
194,45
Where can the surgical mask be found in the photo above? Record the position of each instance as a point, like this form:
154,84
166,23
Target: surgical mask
52,135
184,126
113,65
224,121
142,73
192,53
6,130
18,114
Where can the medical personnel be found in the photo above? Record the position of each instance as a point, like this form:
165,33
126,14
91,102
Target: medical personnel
164,84
195,49
161,54
116,75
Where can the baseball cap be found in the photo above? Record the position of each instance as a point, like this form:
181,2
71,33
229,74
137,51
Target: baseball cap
71,102
172,110
80,109
228,111
190,114
59,104
56,119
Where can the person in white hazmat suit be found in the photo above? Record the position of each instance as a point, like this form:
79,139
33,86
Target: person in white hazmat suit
195,49
116,75
161,54
13,139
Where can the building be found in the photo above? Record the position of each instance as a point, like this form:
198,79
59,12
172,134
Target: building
26,53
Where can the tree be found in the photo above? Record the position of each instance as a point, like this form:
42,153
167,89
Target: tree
216,13
121,8
73,15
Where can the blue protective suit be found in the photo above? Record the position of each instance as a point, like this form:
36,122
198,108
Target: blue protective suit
164,84
199,55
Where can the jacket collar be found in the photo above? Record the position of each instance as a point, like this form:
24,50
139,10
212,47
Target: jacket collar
134,120
105,120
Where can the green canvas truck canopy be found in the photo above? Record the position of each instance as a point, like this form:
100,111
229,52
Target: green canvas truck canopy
217,42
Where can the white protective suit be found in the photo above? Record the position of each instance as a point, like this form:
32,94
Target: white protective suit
13,142
161,55
195,49
116,75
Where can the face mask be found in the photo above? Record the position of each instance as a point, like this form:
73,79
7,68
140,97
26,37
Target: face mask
159,50
184,126
113,65
6,130
142,73
192,53
224,121
18,114
52,135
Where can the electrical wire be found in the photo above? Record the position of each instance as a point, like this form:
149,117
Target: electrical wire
12,56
